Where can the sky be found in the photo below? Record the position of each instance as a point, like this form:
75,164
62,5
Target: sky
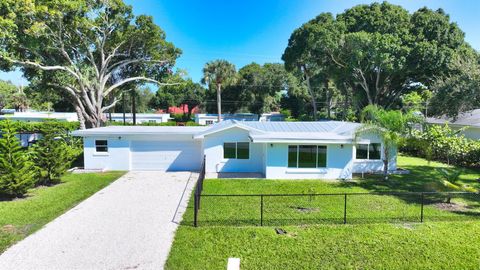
258,30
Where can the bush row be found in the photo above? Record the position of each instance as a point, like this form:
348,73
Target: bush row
42,164
40,127
443,144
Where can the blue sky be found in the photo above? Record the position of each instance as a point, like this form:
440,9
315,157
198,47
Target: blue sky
246,31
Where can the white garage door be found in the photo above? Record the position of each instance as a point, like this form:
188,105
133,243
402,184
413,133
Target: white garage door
166,155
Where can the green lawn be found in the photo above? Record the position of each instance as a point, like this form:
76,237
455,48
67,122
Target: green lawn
21,217
383,232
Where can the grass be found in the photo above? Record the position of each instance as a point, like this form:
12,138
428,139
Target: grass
21,217
383,232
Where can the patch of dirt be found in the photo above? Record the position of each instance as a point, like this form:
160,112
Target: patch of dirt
408,226
306,209
9,229
451,207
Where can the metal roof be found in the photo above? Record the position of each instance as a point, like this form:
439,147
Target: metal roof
470,118
258,131
333,130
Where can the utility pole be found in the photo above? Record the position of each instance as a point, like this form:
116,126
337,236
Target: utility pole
124,105
134,109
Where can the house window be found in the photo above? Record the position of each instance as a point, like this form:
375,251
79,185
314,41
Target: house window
152,121
368,151
236,150
307,156
101,145
208,122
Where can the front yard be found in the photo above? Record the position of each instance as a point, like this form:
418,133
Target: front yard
229,226
21,217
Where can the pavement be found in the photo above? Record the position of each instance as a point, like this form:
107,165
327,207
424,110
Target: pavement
129,224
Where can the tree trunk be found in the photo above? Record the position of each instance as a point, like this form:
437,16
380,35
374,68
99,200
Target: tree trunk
81,119
312,95
219,102
189,112
327,91
385,162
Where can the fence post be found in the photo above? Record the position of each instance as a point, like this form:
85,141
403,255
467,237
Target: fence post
261,210
195,209
421,208
345,210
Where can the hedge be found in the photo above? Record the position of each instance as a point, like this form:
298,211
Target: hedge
443,144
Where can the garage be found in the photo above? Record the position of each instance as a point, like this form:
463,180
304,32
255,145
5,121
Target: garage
184,155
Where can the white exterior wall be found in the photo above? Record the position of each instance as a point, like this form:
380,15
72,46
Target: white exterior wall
339,163
470,132
141,118
117,158
202,119
369,166
119,155
213,149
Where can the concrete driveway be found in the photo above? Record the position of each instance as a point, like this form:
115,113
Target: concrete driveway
127,225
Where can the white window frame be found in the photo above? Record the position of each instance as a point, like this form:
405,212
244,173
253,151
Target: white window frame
236,151
368,152
316,156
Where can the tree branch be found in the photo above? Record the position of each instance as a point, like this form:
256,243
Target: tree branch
118,84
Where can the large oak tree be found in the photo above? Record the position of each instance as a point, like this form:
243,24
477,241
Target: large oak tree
376,51
88,49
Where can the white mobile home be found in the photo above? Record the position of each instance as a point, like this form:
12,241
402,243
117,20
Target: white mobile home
140,117
209,119
275,150
40,116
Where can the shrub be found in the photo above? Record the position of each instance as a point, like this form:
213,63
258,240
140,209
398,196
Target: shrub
17,171
34,127
54,155
443,144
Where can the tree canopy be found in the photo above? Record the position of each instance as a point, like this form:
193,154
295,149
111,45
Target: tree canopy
88,49
375,53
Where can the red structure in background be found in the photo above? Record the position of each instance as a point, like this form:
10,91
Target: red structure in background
182,109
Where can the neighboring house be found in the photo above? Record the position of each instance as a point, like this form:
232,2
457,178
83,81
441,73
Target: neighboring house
274,116
27,138
41,116
469,121
140,117
210,118
182,109
275,150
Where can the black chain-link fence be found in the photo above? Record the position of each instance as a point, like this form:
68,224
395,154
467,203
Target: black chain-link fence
334,208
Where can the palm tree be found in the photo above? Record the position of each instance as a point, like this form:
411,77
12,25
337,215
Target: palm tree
390,126
450,182
219,73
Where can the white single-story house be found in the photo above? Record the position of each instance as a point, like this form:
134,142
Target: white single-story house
140,117
40,116
206,119
469,122
275,150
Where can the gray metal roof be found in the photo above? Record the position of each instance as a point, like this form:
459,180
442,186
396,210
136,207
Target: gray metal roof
261,131
289,130
470,118
288,127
